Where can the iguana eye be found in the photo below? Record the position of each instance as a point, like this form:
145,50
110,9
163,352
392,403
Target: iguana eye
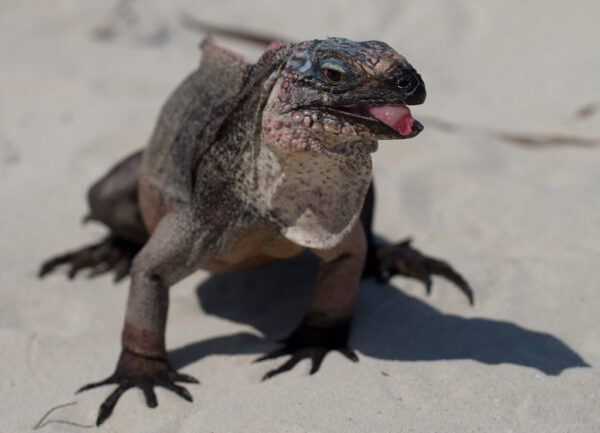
333,73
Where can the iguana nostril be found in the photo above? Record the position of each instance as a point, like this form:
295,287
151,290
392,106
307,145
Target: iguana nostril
403,82
402,79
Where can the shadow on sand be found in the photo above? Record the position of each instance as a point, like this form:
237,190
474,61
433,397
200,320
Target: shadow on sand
387,323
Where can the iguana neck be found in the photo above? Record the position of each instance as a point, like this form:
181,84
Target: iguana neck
314,198
311,186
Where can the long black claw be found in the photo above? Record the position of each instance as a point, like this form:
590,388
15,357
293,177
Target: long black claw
317,359
272,355
77,264
179,390
469,292
422,274
349,353
49,265
288,365
108,381
185,378
439,267
466,289
428,285
121,269
109,404
150,396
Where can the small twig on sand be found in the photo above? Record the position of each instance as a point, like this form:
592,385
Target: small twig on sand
194,24
522,139
41,422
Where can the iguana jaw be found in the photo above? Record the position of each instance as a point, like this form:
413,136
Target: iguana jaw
338,94
383,121
323,126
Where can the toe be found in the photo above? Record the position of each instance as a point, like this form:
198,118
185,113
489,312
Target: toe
288,365
272,355
185,378
179,390
109,380
109,404
150,396
317,359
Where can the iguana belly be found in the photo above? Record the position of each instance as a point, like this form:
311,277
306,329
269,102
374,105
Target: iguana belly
259,245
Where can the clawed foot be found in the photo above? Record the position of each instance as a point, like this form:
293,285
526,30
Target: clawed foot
112,254
145,373
312,343
403,259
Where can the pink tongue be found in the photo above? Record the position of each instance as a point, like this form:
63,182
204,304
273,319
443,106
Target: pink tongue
395,116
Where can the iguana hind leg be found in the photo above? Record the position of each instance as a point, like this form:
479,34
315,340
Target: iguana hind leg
383,262
113,201
403,259
111,254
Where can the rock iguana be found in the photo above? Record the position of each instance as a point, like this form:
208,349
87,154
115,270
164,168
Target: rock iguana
248,164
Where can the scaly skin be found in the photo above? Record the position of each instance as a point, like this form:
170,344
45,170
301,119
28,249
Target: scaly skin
302,115
249,164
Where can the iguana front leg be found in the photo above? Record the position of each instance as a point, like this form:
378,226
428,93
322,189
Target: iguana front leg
171,254
326,324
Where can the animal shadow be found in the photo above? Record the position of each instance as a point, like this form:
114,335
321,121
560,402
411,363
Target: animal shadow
387,324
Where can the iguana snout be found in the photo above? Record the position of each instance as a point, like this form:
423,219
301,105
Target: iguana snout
408,81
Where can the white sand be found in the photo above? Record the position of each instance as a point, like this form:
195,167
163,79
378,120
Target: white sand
523,225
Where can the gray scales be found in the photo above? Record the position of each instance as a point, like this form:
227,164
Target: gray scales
249,164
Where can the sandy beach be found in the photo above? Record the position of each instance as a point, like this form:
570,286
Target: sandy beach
81,85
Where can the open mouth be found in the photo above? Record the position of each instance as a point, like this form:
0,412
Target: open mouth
397,117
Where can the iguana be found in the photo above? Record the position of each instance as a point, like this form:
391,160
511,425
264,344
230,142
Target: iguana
248,164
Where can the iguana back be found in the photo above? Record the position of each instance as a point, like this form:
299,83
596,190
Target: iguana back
166,177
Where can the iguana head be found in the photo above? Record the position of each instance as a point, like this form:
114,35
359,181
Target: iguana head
336,91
